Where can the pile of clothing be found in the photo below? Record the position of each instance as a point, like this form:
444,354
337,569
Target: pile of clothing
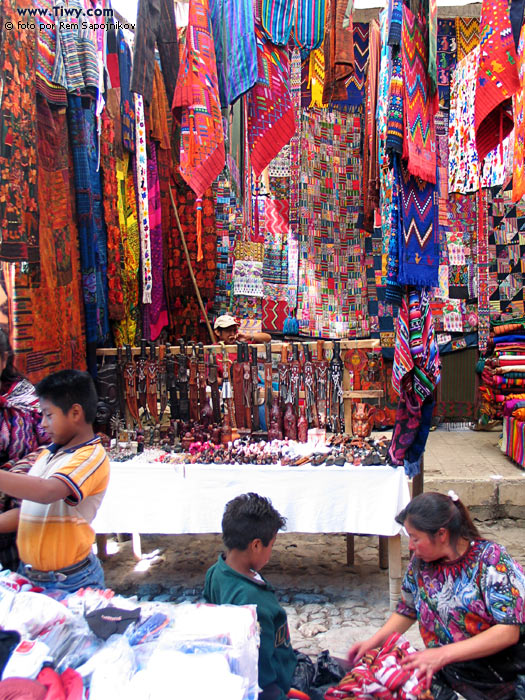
502,389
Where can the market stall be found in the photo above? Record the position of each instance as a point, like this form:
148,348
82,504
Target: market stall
148,497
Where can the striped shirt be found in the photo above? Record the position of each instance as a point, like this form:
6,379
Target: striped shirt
56,535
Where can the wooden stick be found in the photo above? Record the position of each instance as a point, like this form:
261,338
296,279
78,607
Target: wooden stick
190,267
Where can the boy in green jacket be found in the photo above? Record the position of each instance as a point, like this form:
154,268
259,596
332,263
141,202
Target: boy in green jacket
249,527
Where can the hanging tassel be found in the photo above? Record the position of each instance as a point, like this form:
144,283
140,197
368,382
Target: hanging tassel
199,229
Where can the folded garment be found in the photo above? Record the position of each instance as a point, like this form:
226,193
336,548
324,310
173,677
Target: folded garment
510,338
505,381
512,405
519,413
510,327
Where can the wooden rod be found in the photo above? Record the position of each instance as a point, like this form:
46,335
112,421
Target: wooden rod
190,267
276,347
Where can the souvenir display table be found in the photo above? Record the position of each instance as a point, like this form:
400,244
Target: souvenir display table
513,440
151,497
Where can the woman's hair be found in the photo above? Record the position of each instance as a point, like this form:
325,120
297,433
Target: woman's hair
431,511
10,373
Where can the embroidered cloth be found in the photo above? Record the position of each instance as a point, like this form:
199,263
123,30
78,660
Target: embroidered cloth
518,174
271,122
202,154
497,77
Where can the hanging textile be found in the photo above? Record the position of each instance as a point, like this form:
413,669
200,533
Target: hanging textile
355,91
156,25
91,230
271,122
127,330
338,49
316,77
159,112
202,154
497,77
467,35
18,162
396,23
235,47
127,105
446,58
108,165
393,292
432,46
46,310
370,160
141,162
309,24
420,108
419,252
155,314
395,126
277,20
518,175
47,56
385,170
483,273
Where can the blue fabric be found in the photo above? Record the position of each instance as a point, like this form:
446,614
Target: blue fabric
509,339
92,576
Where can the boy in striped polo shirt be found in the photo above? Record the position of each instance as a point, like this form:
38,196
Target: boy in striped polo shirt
63,490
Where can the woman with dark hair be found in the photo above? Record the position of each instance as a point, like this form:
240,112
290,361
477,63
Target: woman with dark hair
21,434
468,596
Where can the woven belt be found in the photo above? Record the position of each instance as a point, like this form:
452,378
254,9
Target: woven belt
57,574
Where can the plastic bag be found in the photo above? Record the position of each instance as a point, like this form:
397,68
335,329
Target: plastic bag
327,670
111,669
304,673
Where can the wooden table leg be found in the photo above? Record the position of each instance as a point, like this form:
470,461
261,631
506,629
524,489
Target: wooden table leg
394,569
349,549
137,545
383,552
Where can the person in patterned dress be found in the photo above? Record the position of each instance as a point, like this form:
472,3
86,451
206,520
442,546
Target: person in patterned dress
468,596
21,435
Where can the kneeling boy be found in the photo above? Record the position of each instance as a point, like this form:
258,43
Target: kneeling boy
63,490
249,527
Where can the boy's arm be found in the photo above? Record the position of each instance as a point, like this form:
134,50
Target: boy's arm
33,488
9,520
267,671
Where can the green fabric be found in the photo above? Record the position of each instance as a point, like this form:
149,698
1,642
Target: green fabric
277,659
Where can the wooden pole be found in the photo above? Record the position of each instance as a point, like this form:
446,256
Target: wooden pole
190,267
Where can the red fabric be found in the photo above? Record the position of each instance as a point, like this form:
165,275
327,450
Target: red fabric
498,77
67,686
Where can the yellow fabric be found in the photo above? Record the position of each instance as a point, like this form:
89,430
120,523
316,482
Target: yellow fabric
316,77
519,413
56,535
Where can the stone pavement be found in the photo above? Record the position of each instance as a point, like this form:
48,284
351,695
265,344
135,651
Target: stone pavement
329,604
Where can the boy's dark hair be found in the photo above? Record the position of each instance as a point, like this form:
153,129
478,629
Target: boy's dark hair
250,517
67,387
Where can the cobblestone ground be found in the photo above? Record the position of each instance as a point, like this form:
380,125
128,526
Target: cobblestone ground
329,604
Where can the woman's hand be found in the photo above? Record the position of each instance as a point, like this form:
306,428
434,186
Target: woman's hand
426,663
359,649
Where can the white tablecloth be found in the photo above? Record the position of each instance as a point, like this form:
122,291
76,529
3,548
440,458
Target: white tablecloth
149,497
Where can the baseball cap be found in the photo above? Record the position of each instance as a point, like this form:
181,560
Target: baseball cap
225,321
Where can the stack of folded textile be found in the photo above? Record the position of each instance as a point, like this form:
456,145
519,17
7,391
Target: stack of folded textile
502,387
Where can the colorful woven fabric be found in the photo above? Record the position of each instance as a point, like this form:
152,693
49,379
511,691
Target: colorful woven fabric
395,129
47,55
518,174
202,154
235,47
141,161
419,106
127,106
463,162
514,444
393,292
338,50
108,167
467,35
370,185
419,252
483,273
385,170
497,77
91,229
127,329
309,24
316,77
332,275
277,20
18,163
432,46
355,92
271,122
274,314
396,22
46,313
446,58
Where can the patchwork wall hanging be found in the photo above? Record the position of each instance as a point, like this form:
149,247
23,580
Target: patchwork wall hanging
332,283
